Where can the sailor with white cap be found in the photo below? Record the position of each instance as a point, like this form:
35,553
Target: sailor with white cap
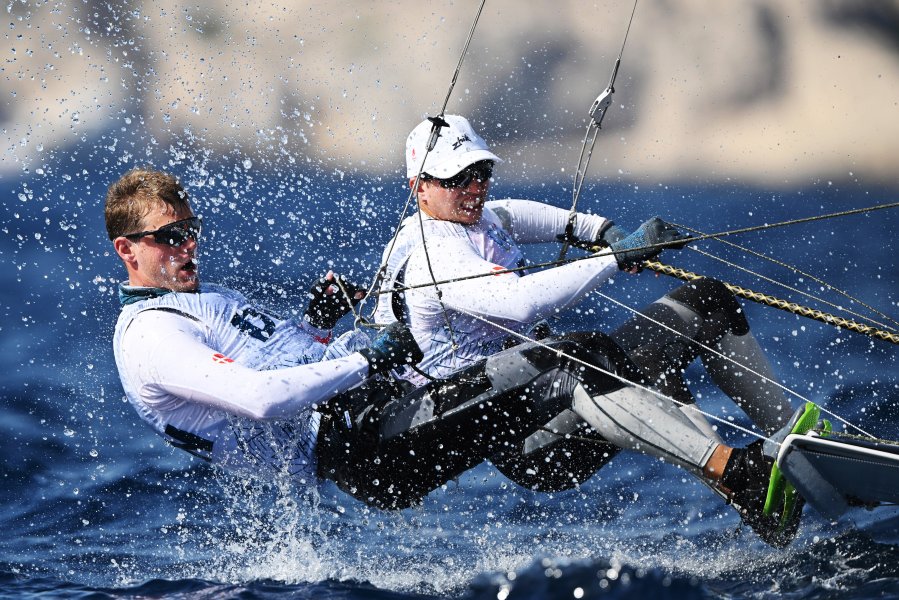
433,281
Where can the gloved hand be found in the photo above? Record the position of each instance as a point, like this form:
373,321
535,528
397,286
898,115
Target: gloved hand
327,302
631,251
394,347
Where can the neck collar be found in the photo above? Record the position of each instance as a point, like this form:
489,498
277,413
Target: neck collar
129,294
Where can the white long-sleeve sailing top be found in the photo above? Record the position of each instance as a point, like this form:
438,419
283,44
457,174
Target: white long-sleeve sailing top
511,300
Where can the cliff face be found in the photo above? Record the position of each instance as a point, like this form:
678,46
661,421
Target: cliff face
777,93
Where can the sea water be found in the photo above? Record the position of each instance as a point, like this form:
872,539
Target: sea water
95,505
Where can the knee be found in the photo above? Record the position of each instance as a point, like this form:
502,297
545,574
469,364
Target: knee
599,349
711,299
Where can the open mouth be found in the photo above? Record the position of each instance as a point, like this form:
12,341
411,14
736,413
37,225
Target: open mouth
189,267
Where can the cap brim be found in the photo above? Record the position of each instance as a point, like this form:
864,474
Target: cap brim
448,168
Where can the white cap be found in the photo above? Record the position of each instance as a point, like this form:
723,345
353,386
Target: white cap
457,147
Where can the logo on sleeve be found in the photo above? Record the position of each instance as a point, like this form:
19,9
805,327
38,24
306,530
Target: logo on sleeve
221,358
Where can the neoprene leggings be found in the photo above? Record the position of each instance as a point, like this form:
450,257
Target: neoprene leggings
704,311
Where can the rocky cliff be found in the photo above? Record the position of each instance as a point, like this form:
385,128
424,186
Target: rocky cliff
778,93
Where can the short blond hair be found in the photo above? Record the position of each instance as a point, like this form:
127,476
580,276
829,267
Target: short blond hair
134,195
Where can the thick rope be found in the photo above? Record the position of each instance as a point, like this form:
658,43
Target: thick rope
767,300
791,307
804,293
798,309
797,271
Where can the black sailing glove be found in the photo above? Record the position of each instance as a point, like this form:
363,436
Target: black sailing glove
608,235
394,347
631,251
327,302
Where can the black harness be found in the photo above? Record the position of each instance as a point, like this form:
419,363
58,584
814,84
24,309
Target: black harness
189,442
398,296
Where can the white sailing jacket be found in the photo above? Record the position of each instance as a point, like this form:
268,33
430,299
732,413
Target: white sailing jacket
511,300
232,382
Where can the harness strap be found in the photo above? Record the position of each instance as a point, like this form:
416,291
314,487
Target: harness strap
189,442
397,297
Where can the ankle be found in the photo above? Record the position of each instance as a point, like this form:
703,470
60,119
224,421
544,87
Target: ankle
715,468
746,468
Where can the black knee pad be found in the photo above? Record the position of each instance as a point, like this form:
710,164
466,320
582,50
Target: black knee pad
713,301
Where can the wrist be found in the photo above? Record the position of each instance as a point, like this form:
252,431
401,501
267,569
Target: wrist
376,361
321,335
610,233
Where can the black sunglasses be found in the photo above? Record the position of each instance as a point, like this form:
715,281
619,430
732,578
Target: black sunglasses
174,234
480,171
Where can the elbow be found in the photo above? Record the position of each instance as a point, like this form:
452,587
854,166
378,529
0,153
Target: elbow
529,317
273,409
278,398
534,310
268,415
267,412
527,314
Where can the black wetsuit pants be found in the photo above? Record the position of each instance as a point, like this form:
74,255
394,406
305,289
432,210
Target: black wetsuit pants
390,451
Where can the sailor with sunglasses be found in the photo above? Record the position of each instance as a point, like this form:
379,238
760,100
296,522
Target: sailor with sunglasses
434,282
214,374
460,233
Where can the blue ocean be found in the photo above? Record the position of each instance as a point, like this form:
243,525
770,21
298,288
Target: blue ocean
94,505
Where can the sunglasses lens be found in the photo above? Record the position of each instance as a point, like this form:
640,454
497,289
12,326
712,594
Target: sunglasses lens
477,172
483,173
178,233
172,237
462,180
